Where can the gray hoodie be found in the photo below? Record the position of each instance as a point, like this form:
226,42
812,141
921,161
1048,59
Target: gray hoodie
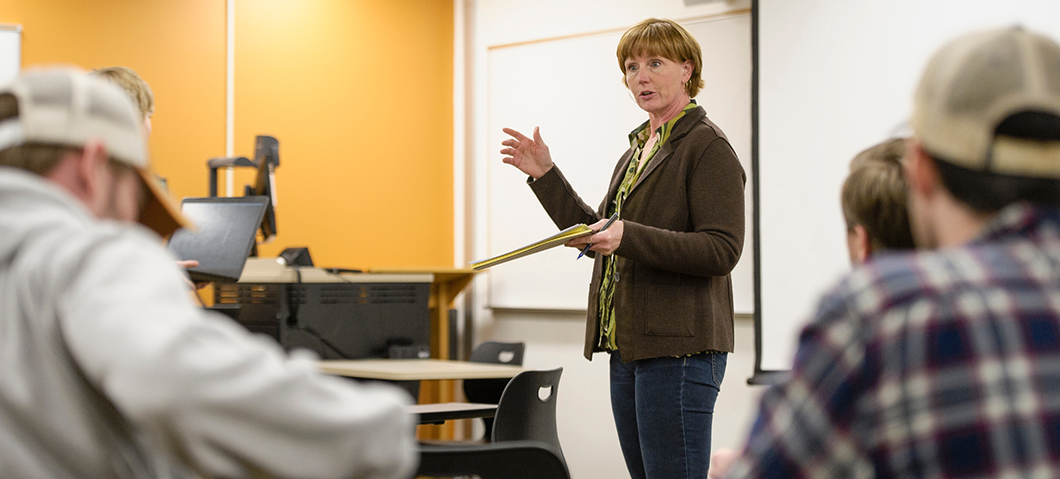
109,370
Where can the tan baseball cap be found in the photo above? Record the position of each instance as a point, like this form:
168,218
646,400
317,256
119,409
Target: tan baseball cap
66,106
975,82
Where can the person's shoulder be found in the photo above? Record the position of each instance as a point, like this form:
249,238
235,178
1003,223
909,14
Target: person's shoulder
700,126
51,220
703,125
894,280
95,234
697,133
886,281
99,246
127,240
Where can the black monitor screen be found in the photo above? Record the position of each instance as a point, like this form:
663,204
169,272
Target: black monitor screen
267,157
222,238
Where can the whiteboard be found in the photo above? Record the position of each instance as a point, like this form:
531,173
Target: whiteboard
562,85
10,52
836,77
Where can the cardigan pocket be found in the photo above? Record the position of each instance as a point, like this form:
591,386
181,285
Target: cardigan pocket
665,302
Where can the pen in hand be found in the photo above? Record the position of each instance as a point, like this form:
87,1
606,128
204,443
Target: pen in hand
606,225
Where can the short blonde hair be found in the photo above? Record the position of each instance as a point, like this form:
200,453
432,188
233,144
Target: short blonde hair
667,39
135,86
874,196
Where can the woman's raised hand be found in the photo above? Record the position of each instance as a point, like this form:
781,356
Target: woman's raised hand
529,155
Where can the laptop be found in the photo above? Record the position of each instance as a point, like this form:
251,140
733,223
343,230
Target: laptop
223,237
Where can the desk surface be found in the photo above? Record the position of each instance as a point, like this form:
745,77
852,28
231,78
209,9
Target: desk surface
416,369
447,411
268,270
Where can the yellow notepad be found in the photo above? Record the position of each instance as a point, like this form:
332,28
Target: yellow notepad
557,239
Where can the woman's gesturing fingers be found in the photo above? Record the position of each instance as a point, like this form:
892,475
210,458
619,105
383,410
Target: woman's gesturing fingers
531,156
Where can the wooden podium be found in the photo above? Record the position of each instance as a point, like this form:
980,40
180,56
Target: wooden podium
447,284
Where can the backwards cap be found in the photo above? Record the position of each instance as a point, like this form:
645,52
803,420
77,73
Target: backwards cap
974,83
64,106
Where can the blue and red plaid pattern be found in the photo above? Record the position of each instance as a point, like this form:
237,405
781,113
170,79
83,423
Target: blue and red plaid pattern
929,364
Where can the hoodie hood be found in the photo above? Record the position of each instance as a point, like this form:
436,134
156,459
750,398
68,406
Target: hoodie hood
31,205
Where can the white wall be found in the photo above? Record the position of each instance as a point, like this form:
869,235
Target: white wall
586,427
837,77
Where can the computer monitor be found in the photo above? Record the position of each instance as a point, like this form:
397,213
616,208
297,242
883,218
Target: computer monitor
223,236
267,158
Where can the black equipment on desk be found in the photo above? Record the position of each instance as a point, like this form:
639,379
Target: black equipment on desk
336,320
266,160
297,256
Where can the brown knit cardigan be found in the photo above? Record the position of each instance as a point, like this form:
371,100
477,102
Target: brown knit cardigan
683,233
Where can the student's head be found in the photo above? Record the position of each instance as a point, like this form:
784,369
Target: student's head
135,87
986,125
84,135
874,202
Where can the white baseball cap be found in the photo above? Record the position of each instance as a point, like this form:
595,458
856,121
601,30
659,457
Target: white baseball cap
66,106
975,82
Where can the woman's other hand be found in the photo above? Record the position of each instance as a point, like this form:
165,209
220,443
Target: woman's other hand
605,242
531,156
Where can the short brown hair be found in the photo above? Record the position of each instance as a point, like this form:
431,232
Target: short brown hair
40,159
667,39
135,86
874,196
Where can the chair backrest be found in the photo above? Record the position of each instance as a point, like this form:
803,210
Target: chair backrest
488,391
499,353
507,460
527,409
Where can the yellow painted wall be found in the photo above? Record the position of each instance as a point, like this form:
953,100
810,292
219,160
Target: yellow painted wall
177,47
358,92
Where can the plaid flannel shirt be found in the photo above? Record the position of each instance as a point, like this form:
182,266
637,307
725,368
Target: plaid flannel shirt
930,364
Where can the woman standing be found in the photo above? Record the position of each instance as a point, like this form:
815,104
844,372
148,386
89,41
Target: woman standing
660,302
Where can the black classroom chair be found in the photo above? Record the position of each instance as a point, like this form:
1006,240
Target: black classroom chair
526,411
498,460
488,391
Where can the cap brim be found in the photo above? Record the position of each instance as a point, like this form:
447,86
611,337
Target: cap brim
160,213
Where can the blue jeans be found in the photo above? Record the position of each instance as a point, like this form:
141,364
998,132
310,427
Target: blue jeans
663,410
